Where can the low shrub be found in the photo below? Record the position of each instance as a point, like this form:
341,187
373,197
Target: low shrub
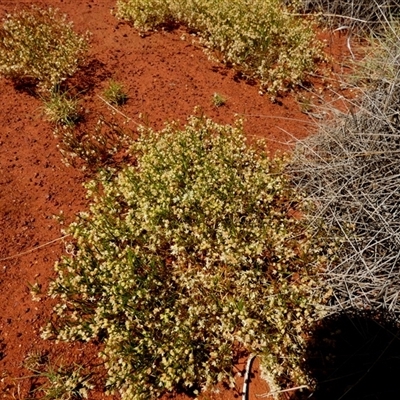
40,44
262,39
218,100
115,94
146,15
61,109
187,258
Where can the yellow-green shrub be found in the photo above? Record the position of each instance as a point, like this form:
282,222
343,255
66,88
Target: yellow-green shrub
260,38
39,44
187,257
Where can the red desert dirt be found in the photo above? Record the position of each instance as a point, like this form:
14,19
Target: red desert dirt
166,75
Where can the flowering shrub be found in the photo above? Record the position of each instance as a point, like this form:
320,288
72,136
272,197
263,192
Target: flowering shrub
185,258
262,39
41,45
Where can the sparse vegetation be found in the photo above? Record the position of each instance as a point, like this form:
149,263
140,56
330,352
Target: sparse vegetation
218,100
115,93
262,39
61,109
92,149
40,45
187,257
56,382
203,247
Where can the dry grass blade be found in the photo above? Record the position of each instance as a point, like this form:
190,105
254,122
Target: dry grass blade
351,171
365,15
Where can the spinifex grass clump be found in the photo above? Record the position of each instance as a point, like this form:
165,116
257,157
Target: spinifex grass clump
364,15
187,257
260,38
39,44
351,171
380,65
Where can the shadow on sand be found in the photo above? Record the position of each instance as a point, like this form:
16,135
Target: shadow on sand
354,357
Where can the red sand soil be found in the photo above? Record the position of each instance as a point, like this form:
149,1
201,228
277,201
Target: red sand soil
166,75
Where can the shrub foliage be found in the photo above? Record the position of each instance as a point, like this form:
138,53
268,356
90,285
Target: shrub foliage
184,259
39,44
262,39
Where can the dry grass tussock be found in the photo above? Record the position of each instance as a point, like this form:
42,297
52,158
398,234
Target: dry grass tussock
351,171
365,15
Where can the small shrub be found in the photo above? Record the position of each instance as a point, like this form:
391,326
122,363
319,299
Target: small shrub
262,39
146,14
35,360
115,94
40,44
92,148
218,100
57,381
63,383
61,109
187,257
